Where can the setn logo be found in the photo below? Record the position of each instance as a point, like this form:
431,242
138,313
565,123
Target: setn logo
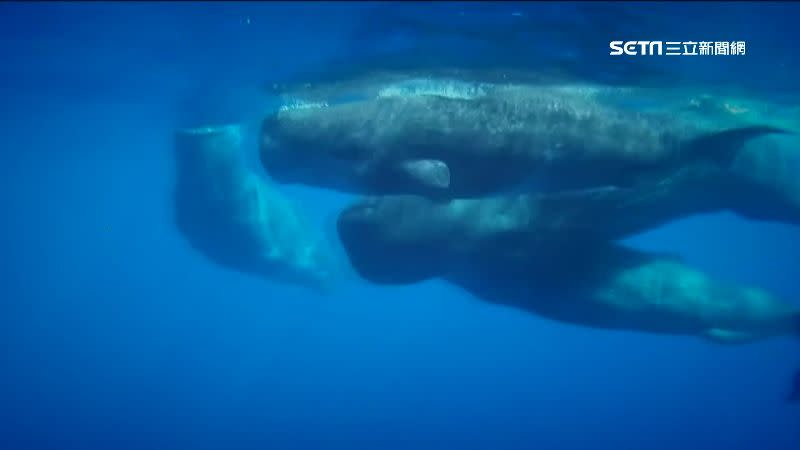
631,47
669,48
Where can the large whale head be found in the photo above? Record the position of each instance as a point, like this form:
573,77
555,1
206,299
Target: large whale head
330,147
385,242
295,147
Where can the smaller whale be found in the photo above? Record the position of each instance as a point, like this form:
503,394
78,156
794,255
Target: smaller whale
551,221
549,257
236,219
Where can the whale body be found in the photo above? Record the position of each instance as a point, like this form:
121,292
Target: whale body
550,261
236,219
447,139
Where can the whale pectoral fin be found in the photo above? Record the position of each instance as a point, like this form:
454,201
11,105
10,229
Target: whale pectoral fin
431,173
723,145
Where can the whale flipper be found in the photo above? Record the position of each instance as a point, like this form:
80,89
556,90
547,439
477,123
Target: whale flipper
430,173
723,146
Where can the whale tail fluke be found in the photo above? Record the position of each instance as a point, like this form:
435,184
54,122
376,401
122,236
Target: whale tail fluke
723,146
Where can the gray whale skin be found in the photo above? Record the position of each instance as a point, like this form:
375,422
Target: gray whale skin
547,255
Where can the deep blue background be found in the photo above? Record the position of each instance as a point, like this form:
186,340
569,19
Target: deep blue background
114,333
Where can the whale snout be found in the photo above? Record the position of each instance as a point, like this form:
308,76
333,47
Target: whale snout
290,152
382,248
278,159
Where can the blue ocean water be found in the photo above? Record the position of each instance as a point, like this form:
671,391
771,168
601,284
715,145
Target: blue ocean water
116,334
